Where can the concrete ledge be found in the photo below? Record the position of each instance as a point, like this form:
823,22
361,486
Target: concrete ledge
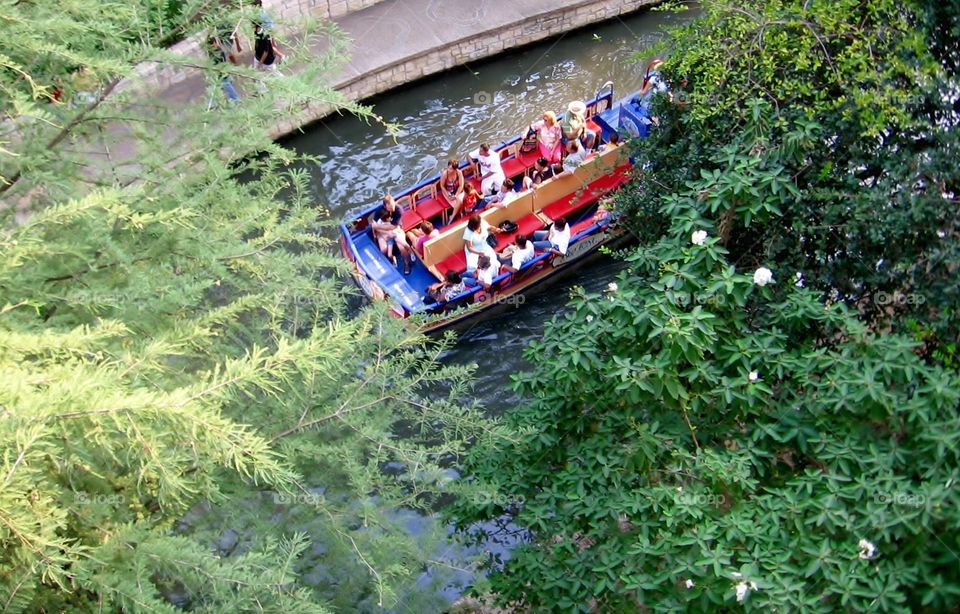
493,39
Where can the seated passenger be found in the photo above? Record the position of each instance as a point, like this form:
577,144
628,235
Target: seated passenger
574,125
451,186
576,155
517,254
555,240
420,235
487,270
471,200
443,291
548,136
504,197
385,226
491,172
605,215
541,171
612,142
475,241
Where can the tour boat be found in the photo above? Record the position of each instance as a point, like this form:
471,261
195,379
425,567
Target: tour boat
574,196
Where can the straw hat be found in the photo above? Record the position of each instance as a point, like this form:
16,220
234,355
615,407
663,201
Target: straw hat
577,107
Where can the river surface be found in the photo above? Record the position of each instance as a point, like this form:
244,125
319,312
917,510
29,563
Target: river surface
450,114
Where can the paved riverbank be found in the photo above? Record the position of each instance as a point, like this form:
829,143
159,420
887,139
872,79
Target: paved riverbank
424,37
395,42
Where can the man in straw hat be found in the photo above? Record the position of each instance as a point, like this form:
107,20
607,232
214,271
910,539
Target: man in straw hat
574,125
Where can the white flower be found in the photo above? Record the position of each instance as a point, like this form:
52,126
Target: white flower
753,585
612,286
699,237
941,233
799,282
742,590
867,549
762,276
753,376
736,574
589,318
689,583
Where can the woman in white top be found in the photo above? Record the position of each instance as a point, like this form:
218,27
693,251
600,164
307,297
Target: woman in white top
475,241
491,173
556,240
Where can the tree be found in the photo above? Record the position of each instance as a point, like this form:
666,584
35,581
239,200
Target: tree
860,88
738,421
173,332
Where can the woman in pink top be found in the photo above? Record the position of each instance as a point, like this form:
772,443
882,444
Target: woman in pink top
548,137
418,236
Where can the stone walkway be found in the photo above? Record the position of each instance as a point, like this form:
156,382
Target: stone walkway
399,41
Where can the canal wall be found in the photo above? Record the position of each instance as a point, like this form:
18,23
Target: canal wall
418,38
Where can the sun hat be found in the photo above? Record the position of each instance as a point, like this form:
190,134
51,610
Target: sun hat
577,107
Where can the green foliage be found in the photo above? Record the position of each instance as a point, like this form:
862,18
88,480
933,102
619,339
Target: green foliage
737,429
847,105
702,437
173,337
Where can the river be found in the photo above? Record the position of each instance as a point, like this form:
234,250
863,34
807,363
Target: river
448,115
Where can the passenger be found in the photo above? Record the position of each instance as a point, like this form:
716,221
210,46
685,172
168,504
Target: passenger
451,186
556,240
522,252
471,200
491,173
541,171
612,142
605,215
574,125
385,224
576,155
487,270
421,234
504,197
653,84
475,241
548,136
443,291
652,81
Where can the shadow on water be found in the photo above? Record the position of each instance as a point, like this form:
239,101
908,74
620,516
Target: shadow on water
447,116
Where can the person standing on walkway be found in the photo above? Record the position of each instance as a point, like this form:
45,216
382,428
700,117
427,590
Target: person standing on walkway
266,56
220,55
